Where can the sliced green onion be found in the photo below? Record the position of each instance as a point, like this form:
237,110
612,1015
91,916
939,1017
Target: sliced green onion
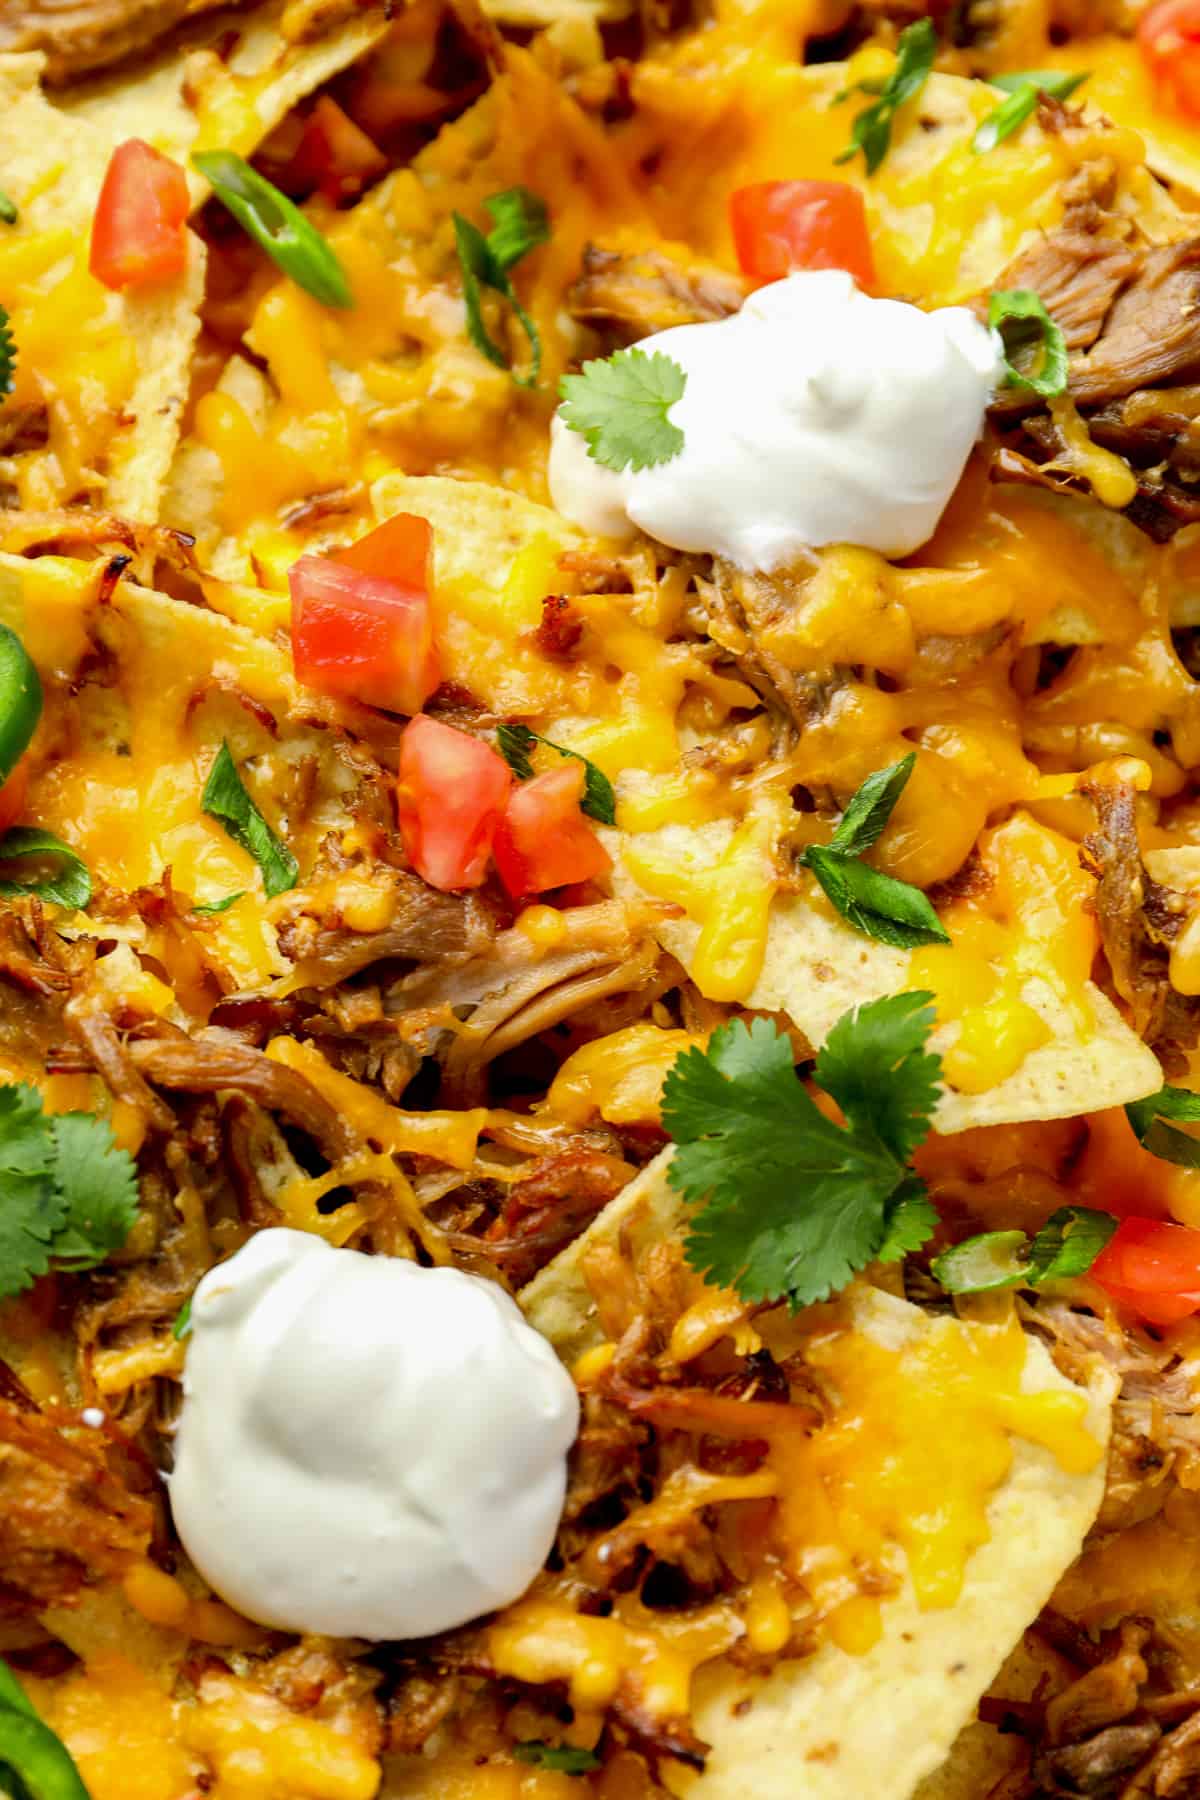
39,1761
225,798
67,884
981,1264
8,208
1069,1243
1150,1122
275,223
208,907
1023,322
1023,89
183,1320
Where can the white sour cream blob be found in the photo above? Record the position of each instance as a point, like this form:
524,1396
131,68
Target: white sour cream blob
367,1448
816,415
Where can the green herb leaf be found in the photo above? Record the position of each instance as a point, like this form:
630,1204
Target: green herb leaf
1067,1245
1024,325
208,907
20,699
564,1757
521,223
8,354
893,912
872,129
276,225
619,406
68,1195
67,883
791,1204
36,1764
1023,89
890,911
31,1210
8,208
98,1181
183,1320
871,806
225,798
515,743
1149,1119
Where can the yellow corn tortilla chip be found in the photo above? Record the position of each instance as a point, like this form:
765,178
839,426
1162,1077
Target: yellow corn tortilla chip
116,366
190,96
838,1725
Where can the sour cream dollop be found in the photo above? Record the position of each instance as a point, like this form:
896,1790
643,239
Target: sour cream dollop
816,415
367,1448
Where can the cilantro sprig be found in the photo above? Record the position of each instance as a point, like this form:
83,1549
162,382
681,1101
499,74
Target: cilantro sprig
893,912
1151,1122
1067,1245
225,798
620,406
872,129
1027,330
515,743
1023,88
520,224
68,1194
790,1204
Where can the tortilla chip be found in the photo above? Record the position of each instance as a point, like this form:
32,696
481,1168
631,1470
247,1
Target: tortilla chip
116,366
839,1725
227,80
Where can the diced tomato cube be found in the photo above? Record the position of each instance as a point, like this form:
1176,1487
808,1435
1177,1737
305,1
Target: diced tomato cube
779,226
450,799
139,233
544,841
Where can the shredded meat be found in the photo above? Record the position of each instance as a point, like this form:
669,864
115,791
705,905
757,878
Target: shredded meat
550,1206
1077,275
1151,334
89,1020
426,927
78,36
1138,918
629,295
65,1518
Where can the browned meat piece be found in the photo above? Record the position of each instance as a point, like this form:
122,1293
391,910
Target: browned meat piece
740,609
1156,1426
627,295
89,1021
1092,1767
207,1063
1077,275
560,1196
426,927
1173,1770
1138,921
1152,332
78,36
1105,1694
65,1518
561,628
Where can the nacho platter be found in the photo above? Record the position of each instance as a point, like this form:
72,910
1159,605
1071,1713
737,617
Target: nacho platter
599,903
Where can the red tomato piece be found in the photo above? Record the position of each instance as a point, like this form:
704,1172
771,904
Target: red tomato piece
139,233
361,620
450,800
779,226
335,154
1168,36
1152,1267
12,795
544,841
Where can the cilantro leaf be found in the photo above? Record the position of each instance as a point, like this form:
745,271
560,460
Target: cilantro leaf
875,1065
67,1193
515,743
1024,88
872,129
566,1758
619,405
30,1209
225,798
208,907
1026,327
1067,1245
521,222
8,355
1149,1119
792,1204
98,1183
893,912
